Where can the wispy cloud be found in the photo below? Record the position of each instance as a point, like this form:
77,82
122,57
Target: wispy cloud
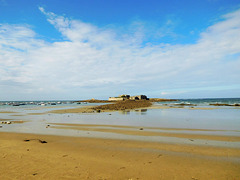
92,60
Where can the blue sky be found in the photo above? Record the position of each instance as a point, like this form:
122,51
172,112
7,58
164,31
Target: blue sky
79,49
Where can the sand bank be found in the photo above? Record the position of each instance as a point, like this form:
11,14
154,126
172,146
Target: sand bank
105,108
86,158
7,112
87,109
139,131
114,106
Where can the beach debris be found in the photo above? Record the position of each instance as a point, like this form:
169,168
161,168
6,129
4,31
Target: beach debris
191,140
34,174
141,129
47,126
0,126
98,110
41,141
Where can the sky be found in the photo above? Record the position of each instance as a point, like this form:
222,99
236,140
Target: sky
78,49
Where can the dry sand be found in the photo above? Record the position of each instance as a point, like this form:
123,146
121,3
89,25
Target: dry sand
88,158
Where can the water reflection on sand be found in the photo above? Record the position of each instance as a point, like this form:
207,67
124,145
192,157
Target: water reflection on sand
126,124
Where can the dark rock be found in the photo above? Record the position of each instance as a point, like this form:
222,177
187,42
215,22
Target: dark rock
42,141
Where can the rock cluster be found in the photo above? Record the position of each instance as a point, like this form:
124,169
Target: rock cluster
6,122
123,105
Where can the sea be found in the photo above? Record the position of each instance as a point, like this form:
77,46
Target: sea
208,101
199,116
199,102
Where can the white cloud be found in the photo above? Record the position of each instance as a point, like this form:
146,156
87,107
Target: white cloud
95,60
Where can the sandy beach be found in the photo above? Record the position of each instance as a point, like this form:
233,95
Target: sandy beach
91,158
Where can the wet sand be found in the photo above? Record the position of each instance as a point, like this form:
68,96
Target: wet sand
140,131
87,109
89,158
7,112
97,158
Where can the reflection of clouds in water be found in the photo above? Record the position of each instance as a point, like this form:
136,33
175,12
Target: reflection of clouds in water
225,119
125,112
141,111
137,111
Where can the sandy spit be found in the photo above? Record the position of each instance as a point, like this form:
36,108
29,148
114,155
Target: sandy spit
143,131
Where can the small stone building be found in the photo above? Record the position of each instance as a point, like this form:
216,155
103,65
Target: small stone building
119,98
116,99
126,97
139,97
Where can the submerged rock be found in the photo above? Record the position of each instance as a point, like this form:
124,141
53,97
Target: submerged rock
224,104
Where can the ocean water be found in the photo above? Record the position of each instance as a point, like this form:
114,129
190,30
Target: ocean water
201,102
207,101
